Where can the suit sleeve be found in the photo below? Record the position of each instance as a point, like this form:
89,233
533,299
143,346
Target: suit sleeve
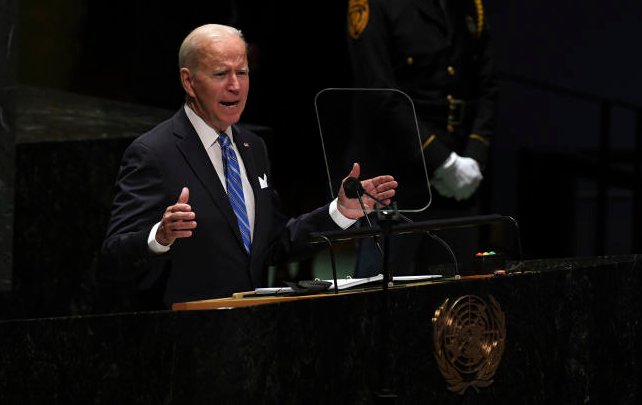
138,205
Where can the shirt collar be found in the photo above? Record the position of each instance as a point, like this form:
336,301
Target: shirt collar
207,134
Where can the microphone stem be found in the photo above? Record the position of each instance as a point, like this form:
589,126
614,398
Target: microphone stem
432,235
452,254
363,209
365,214
402,216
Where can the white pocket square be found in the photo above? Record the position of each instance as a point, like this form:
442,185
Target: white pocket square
263,181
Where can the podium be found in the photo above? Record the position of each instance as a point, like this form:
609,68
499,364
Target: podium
572,332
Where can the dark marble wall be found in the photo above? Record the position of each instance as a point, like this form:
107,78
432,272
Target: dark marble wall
8,58
68,150
572,336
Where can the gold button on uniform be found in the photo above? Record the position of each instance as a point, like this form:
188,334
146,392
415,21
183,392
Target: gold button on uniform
410,60
451,70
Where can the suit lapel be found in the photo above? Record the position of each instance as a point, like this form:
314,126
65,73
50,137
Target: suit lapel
191,147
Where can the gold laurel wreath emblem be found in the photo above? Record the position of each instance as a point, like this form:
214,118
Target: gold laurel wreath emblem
469,337
358,16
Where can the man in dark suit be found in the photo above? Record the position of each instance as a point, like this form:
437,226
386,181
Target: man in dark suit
173,226
438,53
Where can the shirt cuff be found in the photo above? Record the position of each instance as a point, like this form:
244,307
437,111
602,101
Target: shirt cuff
154,246
338,218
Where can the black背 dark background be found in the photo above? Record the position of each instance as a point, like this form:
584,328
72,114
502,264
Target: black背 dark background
565,158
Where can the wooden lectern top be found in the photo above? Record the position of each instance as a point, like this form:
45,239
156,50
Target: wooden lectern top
250,298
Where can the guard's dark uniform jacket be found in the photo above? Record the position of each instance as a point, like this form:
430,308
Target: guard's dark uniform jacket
438,53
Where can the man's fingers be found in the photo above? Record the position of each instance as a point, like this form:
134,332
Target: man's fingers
181,203
182,234
383,195
175,227
181,226
184,197
382,183
178,220
383,189
180,215
355,171
383,179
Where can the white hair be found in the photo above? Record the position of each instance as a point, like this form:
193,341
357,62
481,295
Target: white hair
191,43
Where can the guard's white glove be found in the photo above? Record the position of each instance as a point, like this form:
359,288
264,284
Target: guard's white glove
457,177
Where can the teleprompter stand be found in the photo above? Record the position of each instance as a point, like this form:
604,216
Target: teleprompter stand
387,218
389,225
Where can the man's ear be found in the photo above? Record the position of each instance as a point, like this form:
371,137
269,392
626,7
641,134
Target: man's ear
186,81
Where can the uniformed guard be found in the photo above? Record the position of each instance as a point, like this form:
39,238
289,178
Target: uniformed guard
438,52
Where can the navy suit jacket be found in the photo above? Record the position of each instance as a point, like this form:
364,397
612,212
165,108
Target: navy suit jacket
212,263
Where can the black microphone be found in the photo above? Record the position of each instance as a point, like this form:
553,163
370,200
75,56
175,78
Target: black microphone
353,188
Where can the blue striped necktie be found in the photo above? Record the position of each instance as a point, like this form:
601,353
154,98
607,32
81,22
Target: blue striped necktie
235,188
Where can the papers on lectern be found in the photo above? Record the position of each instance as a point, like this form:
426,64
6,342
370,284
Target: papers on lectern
347,283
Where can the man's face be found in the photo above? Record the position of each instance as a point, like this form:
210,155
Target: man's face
220,81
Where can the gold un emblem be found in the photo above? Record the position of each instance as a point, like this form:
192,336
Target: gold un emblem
469,336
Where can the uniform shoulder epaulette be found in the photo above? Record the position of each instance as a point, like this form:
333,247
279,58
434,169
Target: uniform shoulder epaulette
358,16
